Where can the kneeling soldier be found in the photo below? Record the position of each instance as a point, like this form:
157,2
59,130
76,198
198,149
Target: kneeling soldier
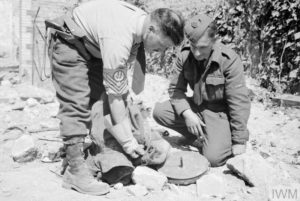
219,109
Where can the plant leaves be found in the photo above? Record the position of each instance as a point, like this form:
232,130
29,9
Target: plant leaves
297,35
288,44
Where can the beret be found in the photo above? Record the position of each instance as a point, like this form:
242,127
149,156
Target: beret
196,26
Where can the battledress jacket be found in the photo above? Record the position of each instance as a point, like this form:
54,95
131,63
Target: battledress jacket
218,84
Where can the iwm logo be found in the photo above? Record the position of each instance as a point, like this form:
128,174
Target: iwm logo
285,193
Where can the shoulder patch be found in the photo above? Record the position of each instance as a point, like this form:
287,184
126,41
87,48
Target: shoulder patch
115,81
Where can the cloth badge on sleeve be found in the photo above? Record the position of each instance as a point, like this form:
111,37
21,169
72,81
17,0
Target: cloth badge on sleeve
115,81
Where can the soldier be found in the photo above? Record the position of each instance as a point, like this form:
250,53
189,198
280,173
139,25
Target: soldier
89,51
219,109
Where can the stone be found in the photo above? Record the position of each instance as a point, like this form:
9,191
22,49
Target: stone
8,94
233,185
137,190
24,149
149,178
26,91
18,105
211,185
52,109
31,102
272,144
50,124
118,186
6,83
11,133
252,168
52,154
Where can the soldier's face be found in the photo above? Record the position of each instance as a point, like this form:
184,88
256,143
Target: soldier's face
202,48
155,41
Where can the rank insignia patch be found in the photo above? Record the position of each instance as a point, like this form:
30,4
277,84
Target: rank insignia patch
115,81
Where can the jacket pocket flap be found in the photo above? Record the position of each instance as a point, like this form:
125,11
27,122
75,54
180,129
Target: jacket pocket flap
215,80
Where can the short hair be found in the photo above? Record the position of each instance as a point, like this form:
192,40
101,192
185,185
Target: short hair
170,23
212,30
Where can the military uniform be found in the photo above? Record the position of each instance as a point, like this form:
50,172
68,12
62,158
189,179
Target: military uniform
89,50
110,35
220,97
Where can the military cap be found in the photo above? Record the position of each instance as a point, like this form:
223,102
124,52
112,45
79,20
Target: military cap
196,26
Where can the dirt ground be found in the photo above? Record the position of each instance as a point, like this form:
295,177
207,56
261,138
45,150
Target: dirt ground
274,133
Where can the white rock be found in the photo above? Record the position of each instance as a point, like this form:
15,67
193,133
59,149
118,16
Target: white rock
27,91
118,186
24,149
6,83
149,178
18,105
31,102
137,190
211,185
8,94
252,168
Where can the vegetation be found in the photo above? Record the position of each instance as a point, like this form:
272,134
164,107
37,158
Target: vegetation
266,34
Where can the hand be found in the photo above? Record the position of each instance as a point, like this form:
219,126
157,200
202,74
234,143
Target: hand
133,149
238,149
193,123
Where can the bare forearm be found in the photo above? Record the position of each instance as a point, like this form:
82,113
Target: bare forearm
117,108
187,113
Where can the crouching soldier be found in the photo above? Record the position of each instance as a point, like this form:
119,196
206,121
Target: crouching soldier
219,109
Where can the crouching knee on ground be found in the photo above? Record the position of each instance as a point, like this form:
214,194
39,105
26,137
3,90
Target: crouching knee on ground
216,157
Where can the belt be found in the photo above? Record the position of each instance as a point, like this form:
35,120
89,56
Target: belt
67,29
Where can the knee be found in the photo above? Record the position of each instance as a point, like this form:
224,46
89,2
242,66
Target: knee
158,113
216,159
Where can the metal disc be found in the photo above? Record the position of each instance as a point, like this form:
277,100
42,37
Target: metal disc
184,167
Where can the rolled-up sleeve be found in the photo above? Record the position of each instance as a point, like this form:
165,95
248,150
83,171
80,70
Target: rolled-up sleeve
178,87
115,54
237,100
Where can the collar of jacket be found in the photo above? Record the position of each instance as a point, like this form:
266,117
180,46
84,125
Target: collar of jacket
219,51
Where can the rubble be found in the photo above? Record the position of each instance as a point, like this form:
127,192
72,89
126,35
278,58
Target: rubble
252,168
118,186
8,94
6,83
211,185
137,190
24,149
52,154
41,95
11,133
31,102
18,105
149,178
